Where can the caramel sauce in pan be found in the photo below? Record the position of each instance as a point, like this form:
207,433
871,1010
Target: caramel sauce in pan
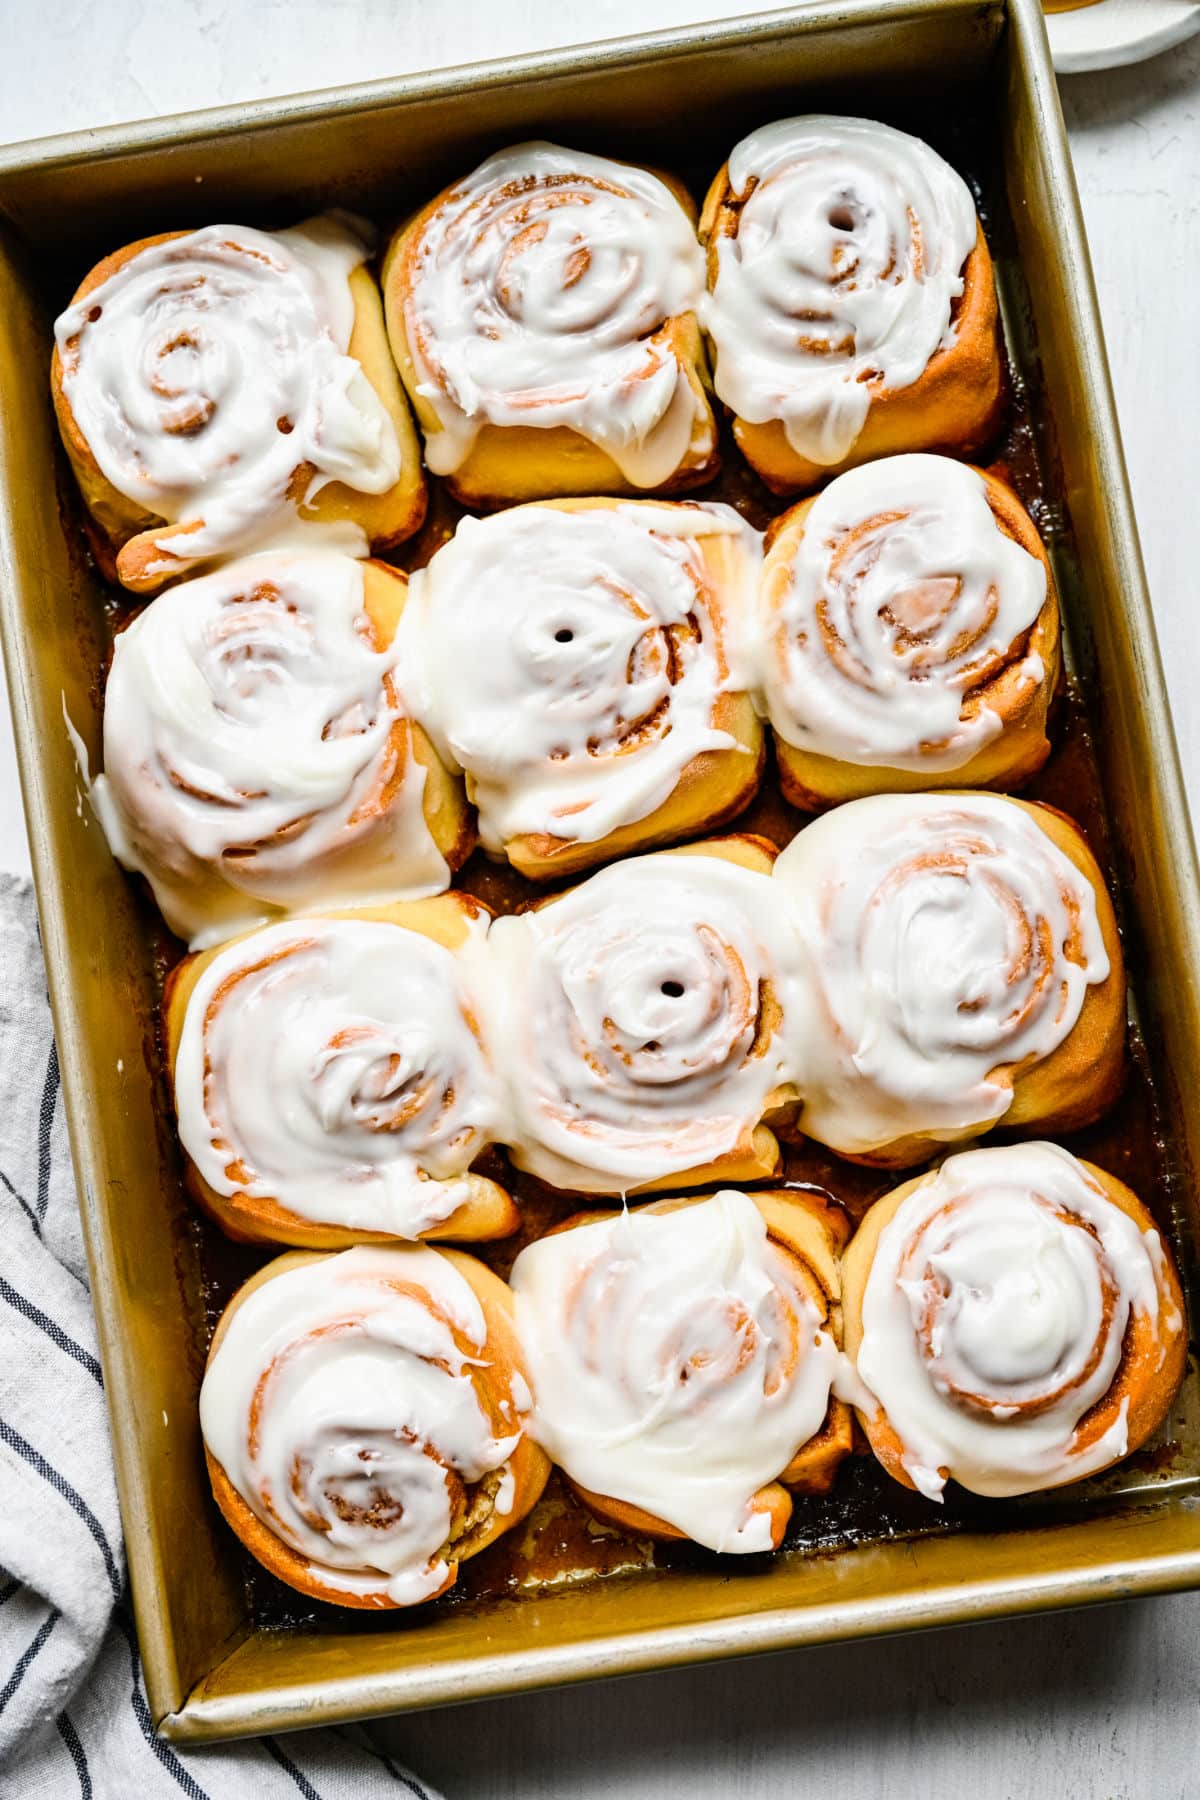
560,1543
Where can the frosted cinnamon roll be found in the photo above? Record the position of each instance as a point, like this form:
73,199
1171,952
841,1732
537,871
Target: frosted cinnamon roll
543,315
965,970
910,634
259,756
332,1082
852,306
1016,1321
220,388
682,1358
580,660
641,1015
365,1421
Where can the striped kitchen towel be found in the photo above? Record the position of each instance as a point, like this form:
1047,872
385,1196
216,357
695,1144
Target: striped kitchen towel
73,1711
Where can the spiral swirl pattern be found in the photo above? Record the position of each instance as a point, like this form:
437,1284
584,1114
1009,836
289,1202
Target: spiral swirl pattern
350,1408
572,661
901,603
337,1067
644,1011
210,369
257,749
677,1360
837,275
537,294
950,940
994,1319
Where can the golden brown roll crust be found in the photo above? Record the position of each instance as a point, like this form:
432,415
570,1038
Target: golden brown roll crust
757,1155
811,1232
577,754
954,405
1073,1084
812,781
143,552
713,788
1152,1362
479,1522
443,799
488,1212
1077,1083
510,464
285,772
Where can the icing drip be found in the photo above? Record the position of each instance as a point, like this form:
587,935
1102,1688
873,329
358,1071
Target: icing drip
994,1318
538,292
677,1362
949,939
570,661
210,369
903,596
257,754
341,1405
840,280
335,1066
642,1012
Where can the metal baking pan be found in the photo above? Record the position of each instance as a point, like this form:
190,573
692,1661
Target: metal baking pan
218,1664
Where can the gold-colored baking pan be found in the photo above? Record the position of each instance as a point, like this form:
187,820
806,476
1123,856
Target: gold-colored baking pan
212,1670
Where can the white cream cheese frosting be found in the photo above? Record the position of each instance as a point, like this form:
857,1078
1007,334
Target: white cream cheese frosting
251,749
336,1066
676,1361
994,1317
640,1013
536,288
947,938
902,596
206,370
341,1407
570,661
848,256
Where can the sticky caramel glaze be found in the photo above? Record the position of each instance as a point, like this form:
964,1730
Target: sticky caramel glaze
560,1542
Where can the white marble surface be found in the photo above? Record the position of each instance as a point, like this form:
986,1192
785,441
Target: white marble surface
1075,1707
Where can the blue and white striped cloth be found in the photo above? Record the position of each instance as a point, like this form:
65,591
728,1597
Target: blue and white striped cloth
73,1713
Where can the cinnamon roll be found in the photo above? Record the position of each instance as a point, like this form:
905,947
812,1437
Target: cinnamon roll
365,1421
1016,1320
332,1082
910,636
964,970
851,305
216,389
543,315
682,1358
259,755
642,1014
580,660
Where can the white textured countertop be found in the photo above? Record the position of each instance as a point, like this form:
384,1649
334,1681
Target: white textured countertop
1074,1707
